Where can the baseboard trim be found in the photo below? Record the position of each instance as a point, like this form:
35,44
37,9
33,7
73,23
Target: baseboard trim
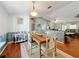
3,48
60,42
10,42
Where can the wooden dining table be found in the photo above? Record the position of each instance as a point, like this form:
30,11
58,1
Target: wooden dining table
39,39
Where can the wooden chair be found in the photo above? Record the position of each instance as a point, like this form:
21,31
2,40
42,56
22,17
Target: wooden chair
48,49
31,43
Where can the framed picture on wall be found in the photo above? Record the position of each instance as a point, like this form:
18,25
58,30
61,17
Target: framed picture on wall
20,20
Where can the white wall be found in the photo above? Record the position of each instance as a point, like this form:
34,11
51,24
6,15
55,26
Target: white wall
19,27
4,21
68,11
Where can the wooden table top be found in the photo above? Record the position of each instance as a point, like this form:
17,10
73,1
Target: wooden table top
39,38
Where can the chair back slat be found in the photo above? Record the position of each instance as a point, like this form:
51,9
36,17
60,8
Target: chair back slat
51,44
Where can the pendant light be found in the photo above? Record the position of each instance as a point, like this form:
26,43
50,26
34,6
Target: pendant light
33,13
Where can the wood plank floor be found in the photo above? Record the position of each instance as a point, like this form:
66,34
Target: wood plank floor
71,48
12,51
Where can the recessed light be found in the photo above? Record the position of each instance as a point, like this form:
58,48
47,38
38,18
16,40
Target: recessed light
49,7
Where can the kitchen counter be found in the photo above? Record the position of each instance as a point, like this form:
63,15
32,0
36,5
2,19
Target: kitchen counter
58,34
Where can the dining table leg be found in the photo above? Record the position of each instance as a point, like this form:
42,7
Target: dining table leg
40,50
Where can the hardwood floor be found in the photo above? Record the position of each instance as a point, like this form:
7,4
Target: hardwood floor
71,48
12,51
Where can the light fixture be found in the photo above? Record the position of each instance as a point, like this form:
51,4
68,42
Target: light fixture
33,13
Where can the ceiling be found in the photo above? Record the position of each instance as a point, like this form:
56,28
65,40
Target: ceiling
69,20
25,7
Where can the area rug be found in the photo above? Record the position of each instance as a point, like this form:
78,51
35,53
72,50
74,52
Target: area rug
25,52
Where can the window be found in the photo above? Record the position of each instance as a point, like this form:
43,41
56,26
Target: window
73,26
69,26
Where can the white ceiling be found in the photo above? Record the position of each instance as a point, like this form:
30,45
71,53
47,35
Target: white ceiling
25,7
62,20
